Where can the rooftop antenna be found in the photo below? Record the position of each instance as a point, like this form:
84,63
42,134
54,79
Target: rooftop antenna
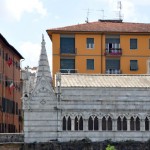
87,18
120,9
102,10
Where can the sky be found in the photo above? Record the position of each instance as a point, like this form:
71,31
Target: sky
22,22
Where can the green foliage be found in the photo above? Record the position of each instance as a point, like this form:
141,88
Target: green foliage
109,147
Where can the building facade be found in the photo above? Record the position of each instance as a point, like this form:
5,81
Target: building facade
98,107
106,46
10,88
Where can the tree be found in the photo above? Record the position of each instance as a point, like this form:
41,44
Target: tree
109,147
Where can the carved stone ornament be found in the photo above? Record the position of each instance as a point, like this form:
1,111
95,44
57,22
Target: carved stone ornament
43,102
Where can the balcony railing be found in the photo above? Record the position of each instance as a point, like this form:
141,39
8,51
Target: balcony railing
68,51
68,70
113,71
113,51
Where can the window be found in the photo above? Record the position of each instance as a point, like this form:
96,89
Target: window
112,66
103,123
149,43
146,124
95,123
90,43
64,123
90,123
90,64
76,123
69,123
81,123
67,65
67,44
133,65
133,43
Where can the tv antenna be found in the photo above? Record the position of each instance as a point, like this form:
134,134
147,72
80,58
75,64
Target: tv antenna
87,17
102,10
120,9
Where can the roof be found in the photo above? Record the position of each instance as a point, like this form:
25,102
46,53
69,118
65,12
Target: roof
104,26
99,80
10,46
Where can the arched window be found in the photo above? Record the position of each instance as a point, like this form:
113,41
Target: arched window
69,123
95,123
109,123
132,123
81,124
103,123
76,123
64,123
137,124
124,123
146,124
119,123
90,123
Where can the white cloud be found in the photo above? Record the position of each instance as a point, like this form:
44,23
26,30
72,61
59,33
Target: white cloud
31,52
16,8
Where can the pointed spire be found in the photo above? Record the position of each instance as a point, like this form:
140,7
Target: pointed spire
43,68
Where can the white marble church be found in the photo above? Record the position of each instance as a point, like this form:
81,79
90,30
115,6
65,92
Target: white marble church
97,107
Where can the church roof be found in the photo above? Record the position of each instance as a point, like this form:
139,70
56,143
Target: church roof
43,67
100,80
104,26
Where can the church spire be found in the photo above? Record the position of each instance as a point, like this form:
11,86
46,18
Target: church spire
43,67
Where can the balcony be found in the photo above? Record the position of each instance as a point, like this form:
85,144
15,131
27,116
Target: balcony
113,71
68,51
68,71
113,52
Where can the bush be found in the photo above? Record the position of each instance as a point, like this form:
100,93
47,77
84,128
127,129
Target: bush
109,147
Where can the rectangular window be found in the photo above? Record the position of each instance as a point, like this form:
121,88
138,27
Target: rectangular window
67,65
90,43
133,65
90,64
112,66
133,43
67,44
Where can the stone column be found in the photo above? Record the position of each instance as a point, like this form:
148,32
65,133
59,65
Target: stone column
128,124
100,124
85,126
142,125
114,124
72,124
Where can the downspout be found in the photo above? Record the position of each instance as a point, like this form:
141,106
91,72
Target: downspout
101,52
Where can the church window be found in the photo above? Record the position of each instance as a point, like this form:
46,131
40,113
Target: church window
81,124
132,123
69,124
90,123
137,124
76,123
146,124
95,123
109,123
124,123
103,123
64,123
119,123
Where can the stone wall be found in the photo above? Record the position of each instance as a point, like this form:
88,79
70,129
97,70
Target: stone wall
11,138
84,144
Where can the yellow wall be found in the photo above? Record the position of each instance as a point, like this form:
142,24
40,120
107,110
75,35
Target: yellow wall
141,54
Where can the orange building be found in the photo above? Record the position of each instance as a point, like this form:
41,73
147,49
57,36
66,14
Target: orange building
10,88
105,46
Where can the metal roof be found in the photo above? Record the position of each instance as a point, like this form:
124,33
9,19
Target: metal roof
100,80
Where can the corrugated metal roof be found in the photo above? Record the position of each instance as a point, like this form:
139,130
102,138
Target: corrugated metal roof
99,80
126,27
